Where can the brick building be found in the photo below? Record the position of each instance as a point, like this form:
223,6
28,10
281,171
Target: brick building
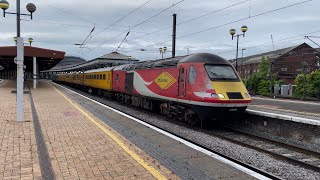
287,62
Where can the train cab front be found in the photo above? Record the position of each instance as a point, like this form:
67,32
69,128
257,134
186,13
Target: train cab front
227,89
215,85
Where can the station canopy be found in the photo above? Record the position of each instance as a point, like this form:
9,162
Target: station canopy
46,58
107,60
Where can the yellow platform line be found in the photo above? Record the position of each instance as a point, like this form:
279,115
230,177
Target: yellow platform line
135,156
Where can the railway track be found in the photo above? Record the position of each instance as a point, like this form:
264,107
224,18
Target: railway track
261,173
295,155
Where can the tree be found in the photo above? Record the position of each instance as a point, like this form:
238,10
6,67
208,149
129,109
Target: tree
259,82
312,85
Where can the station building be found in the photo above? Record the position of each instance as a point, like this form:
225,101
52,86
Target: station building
286,62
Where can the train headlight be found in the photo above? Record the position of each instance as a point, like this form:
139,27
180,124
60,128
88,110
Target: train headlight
247,95
221,96
214,95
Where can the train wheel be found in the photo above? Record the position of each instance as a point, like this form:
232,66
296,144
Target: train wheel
191,117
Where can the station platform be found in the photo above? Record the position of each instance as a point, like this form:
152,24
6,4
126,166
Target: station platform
61,139
295,108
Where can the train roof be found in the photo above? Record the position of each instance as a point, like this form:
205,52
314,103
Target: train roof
173,62
204,58
100,70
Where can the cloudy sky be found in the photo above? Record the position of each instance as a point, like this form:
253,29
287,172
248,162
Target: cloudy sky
203,25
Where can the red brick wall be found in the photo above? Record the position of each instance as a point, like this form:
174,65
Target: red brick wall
287,66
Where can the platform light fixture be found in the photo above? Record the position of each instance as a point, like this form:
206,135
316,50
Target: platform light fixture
31,8
162,51
30,40
232,32
15,39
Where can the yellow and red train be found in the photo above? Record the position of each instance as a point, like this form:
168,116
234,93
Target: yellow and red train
191,88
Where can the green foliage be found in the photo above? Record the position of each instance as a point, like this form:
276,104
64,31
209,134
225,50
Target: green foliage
259,82
263,87
312,85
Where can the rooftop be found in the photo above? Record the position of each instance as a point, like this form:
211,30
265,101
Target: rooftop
116,56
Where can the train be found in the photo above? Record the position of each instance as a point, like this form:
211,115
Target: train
193,88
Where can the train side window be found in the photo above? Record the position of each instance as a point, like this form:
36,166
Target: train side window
192,75
104,77
100,76
117,77
95,76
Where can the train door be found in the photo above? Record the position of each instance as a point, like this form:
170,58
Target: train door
129,83
182,82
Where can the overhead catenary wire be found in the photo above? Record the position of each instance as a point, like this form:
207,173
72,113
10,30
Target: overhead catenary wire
235,21
192,19
87,36
124,17
86,26
67,12
138,24
123,40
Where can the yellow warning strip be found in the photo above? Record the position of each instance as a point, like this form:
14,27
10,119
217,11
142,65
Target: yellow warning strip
136,157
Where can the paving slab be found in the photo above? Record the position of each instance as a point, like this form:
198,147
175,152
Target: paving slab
76,147
18,148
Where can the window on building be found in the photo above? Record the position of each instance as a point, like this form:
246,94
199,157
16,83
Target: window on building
284,69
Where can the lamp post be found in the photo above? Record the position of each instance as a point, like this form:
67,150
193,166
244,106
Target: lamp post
241,66
30,40
232,32
4,5
188,50
162,51
15,39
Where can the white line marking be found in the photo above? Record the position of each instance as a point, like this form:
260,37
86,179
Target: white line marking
285,117
290,101
198,148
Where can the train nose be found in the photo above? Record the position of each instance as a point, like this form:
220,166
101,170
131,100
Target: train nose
231,91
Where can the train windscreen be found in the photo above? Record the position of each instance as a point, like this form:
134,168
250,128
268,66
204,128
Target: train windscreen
221,72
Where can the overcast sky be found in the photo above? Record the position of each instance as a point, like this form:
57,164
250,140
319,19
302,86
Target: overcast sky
59,24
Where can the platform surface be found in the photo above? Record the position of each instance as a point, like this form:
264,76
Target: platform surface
77,148
62,137
296,108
